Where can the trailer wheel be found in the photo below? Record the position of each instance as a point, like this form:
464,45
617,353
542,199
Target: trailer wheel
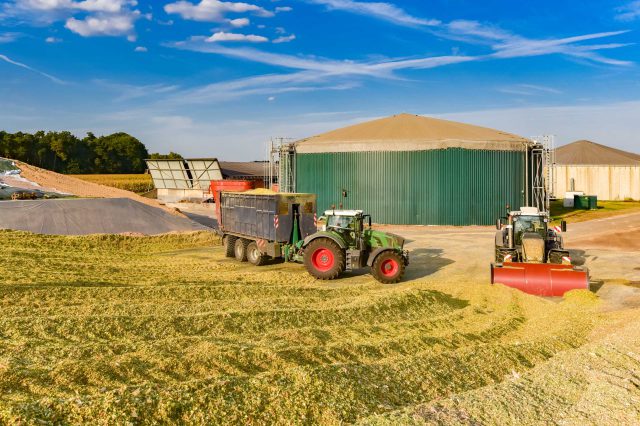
229,242
388,267
324,259
240,249
254,256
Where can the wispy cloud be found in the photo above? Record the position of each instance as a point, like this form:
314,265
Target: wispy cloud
310,73
284,39
504,43
222,36
27,67
213,10
9,37
383,11
314,73
529,90
264,85
518,47
629,12
125,92
382,68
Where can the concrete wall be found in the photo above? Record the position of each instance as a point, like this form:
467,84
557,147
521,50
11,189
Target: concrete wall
607,182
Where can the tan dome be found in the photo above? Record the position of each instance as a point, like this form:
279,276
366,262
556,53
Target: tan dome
591,153
408,132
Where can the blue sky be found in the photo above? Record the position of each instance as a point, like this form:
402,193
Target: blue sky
215,78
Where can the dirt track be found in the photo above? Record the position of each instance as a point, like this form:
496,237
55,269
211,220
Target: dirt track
463,253
612,233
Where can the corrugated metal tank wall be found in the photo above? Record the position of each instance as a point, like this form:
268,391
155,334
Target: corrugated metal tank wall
436,187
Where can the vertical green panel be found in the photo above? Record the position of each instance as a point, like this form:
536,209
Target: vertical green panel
436,187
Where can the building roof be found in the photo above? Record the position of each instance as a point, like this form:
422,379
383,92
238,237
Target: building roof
408,132
585,152
249,169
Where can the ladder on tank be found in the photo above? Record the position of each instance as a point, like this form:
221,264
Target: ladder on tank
542,166
282,161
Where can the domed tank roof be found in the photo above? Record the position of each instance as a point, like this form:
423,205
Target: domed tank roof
408,132
590,153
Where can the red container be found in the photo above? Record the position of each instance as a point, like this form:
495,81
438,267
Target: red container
217,186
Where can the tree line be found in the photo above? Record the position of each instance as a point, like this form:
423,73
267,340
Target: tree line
64,152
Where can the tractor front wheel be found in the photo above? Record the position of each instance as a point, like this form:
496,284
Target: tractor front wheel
324,259
240,249
388,267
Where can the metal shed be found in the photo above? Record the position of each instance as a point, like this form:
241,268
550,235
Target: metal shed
608,173
409,169
179,180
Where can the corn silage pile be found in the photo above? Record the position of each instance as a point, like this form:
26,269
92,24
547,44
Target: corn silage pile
116,329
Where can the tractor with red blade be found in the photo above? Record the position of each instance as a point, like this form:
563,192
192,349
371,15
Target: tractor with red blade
530,255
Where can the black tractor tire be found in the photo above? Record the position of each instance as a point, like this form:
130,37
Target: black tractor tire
324,259
254,256
388,267
240,249
229,242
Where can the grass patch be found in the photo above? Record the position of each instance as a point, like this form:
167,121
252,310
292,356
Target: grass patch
605,209
165,329
139,183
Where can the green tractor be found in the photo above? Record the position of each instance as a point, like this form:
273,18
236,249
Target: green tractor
256,227
345,244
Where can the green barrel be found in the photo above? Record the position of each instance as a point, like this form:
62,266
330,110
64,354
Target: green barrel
585,202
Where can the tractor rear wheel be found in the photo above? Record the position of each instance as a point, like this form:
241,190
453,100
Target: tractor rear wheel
254,256
324,259
229,242
388,267
240,249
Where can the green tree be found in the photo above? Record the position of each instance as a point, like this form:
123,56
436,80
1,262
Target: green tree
64,152
119,153
170,156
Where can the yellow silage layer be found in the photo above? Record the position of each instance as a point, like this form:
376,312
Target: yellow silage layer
118,329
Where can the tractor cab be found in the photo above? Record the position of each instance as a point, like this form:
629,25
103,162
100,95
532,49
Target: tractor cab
347,223
529,220
345,220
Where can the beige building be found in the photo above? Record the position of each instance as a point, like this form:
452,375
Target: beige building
595,169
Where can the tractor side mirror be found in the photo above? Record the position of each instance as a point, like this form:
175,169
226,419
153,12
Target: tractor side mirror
498,224
563,226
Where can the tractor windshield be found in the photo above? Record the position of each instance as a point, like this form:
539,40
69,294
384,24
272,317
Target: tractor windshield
524,224
340,222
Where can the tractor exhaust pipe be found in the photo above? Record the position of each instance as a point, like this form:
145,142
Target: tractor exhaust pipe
512,243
